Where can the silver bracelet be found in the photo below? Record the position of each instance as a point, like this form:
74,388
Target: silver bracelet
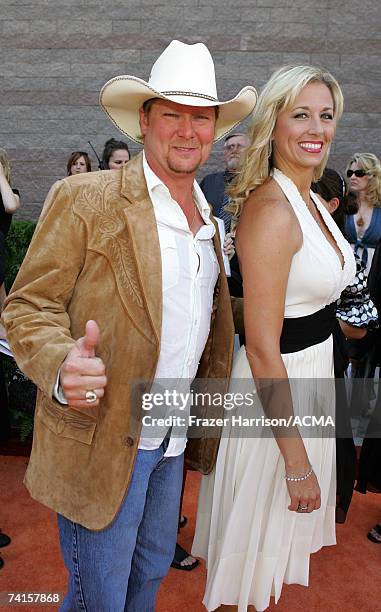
299,478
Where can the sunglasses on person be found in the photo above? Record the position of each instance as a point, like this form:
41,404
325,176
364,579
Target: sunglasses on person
358,173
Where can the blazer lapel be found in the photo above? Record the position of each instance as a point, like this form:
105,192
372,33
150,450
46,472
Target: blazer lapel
218,251
142,228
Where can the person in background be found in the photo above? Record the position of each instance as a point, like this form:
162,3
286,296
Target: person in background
4,541
369,469
9,203
78,162
115,154
214,185
215,188
363,228
355,313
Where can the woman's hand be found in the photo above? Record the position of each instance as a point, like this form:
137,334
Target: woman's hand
228,247
304,495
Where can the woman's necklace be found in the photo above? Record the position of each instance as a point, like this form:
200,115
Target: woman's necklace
362,219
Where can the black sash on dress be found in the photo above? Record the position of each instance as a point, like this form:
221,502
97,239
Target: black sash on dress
302,332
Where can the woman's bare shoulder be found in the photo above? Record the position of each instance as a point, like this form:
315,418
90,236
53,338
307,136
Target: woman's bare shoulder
268,203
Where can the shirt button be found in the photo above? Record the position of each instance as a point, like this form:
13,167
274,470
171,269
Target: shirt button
128,441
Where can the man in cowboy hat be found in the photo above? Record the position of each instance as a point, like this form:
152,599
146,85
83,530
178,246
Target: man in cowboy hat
122,283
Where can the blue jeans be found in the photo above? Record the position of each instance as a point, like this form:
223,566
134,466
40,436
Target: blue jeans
120,568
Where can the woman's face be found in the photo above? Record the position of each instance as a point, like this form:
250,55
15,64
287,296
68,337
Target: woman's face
303,133
357,184
118,158
78,166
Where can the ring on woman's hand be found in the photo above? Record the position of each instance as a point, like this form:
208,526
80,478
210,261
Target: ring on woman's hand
302,508
91,397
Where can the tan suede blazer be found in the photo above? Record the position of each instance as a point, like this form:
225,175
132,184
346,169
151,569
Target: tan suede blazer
95,255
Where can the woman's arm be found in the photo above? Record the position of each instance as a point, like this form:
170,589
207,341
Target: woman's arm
267,238
11,201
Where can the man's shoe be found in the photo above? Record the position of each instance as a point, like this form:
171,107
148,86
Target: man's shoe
4,540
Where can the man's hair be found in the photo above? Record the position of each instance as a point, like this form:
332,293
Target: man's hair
147,105
234,134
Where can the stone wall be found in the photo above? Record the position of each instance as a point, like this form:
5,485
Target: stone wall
56,55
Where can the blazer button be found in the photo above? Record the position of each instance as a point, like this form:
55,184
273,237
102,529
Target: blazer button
128,441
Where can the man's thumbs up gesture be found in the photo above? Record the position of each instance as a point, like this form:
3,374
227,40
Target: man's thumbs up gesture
82,374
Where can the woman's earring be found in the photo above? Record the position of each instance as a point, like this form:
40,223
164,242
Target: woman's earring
270,149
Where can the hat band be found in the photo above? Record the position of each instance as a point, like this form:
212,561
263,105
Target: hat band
189,93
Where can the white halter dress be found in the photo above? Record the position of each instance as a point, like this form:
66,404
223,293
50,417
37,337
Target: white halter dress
251,541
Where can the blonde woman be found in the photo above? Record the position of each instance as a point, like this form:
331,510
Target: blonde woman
9,203
270,502
364,227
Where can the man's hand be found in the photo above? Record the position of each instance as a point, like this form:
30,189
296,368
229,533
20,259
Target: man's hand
82,371
228,247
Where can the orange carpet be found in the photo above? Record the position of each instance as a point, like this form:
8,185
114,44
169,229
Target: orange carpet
346,577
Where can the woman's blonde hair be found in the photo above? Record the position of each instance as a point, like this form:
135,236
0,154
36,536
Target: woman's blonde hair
372,166
4,159
279,94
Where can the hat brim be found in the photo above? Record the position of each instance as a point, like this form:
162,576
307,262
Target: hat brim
122,96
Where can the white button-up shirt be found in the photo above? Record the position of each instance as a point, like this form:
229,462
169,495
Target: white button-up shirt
189,273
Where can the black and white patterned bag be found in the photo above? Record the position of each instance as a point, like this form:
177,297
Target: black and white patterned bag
354,305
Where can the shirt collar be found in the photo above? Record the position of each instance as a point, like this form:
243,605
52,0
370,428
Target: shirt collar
153,183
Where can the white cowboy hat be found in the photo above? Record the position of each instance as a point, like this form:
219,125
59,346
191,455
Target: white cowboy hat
183,74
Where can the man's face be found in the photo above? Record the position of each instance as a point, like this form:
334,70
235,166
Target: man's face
234,149
177,138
